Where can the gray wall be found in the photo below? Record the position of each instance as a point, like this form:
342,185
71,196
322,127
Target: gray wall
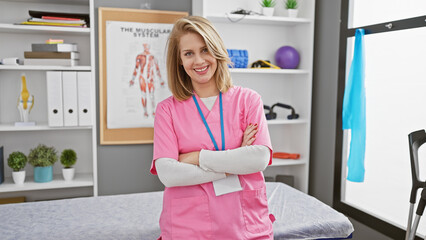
125,169
324,103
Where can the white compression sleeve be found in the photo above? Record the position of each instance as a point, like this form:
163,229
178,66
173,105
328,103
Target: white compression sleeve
243,160
173,173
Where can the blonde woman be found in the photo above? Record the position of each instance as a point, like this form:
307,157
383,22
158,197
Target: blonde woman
211,143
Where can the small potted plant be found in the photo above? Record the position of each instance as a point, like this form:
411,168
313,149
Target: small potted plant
17,161
291,6
68,159
42,159
267,7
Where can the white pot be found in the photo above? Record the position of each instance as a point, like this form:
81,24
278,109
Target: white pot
18,177
68,174
292,13
268,11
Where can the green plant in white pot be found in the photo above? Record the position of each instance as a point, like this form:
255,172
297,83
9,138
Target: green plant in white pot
68,159
17,161
267,7
42,159
291,6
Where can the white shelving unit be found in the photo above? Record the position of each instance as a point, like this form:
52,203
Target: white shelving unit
269,71
290,162
15,40
42,126
13,28
80,180
262,36
257,19
45,68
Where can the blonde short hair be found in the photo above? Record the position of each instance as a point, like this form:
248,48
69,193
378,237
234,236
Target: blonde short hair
179,82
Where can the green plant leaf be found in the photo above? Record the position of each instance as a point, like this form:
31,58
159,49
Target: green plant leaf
17,161
42,156
291,4
267,3
68,158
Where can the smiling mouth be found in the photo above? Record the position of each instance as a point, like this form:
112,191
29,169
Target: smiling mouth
201,69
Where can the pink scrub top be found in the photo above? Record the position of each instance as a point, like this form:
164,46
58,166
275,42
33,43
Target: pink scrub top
195,212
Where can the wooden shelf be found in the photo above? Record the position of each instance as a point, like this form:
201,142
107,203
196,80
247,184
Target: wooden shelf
267,71
80,180
44,68
257,19
31,29
39,127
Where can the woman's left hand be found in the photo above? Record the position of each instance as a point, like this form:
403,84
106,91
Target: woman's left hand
191,157
249,135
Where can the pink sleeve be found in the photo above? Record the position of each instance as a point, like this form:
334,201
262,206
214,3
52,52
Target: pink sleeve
256,114
165,141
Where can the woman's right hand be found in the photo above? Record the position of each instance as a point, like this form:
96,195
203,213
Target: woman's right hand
249,135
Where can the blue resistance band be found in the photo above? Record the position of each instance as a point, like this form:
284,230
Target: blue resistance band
207,126
354,111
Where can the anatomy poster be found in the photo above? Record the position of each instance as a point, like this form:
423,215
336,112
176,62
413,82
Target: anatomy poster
136,72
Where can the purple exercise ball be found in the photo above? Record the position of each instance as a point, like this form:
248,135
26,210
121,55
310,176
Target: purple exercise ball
287,57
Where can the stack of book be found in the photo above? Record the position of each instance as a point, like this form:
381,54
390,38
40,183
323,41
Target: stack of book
56,54
57,19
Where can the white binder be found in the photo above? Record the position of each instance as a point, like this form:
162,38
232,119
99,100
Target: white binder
54,99
69,91
84,90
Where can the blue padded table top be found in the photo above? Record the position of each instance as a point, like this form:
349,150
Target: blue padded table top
136,216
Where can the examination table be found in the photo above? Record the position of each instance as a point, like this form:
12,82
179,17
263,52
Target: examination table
136,216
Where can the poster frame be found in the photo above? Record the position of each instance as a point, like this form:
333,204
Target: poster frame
120,136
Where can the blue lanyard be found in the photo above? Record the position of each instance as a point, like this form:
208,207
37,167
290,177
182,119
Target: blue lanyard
207,126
